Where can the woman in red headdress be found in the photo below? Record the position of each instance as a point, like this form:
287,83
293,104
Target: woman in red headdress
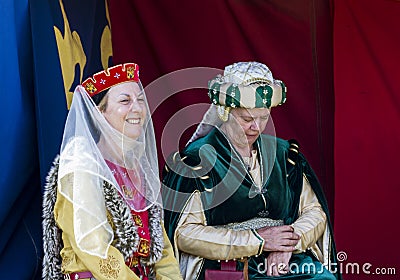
102,205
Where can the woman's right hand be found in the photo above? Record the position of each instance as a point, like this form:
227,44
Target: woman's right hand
279,238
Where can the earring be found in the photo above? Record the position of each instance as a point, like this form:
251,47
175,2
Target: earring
223,112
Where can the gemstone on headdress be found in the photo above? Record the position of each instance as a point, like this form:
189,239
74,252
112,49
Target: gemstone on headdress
90,88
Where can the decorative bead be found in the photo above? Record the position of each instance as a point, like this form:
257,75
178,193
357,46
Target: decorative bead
254,223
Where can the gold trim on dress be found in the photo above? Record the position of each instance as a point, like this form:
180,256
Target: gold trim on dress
197,168
291,161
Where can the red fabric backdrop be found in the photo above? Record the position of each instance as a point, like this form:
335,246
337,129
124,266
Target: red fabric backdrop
292,37
367,132
352,148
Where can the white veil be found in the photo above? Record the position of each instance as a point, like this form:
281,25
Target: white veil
83,169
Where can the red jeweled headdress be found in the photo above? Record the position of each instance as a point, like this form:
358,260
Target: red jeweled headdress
110,77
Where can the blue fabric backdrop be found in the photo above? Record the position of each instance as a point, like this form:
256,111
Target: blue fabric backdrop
20,199
47,48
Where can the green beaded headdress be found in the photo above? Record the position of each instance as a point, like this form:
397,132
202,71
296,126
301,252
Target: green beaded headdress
246,85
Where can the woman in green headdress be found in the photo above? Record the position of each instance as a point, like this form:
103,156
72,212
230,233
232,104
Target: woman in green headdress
236,195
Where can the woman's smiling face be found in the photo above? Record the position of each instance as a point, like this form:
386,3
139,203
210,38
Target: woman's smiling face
125,109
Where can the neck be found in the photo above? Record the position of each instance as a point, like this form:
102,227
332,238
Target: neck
110,153
120,149
243,151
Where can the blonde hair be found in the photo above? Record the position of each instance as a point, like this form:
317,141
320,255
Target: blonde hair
103,103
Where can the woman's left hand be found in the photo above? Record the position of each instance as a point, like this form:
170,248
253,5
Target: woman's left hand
278,263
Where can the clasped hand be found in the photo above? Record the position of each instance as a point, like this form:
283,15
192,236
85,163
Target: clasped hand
281,238
281,242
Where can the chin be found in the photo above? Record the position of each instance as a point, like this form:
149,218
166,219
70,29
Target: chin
133,135
133,132
252,138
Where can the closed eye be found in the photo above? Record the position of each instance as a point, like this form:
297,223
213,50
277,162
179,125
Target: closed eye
248,119
124,98
140,98
124,101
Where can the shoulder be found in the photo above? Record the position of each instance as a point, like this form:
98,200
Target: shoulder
196,157
75,144
202,149
52,175
79,153
281,145
285,150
